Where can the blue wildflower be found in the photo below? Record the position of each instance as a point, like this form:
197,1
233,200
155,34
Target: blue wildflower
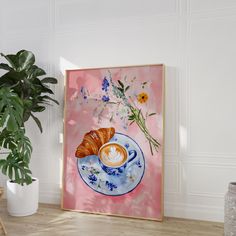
138,163
92,178
105,84
110,185
105,98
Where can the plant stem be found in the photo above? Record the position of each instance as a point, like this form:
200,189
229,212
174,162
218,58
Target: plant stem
140,121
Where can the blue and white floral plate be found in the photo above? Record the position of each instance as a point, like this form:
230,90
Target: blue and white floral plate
113,185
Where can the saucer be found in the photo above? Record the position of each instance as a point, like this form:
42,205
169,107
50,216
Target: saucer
113,185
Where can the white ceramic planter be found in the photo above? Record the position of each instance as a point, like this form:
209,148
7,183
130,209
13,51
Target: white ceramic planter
22,200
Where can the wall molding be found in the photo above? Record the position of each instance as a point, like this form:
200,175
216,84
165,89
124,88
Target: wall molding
208,12
197,212
178,171
189,152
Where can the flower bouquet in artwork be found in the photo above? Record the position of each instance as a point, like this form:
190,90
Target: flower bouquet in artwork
120,103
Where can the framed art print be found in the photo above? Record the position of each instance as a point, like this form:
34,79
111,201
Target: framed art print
113,141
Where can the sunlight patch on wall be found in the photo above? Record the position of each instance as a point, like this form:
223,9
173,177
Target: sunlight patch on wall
183,138
66,65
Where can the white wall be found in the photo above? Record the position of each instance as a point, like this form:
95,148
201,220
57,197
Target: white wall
196,39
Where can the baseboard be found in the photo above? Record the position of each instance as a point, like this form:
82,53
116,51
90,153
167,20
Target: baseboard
49,197
196,212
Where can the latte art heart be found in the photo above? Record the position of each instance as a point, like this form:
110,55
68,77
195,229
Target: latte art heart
113,155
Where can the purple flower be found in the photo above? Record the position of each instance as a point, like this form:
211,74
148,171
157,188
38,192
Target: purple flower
84,93
105,98
105,84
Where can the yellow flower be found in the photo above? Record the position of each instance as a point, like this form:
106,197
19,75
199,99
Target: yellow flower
142,97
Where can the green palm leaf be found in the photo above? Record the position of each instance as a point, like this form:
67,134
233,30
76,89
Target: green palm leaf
16,164
17,170
11,109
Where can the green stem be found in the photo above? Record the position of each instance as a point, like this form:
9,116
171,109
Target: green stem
140,121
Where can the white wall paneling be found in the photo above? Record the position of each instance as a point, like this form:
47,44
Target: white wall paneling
23,18
195,39
172,178
212,85
210,5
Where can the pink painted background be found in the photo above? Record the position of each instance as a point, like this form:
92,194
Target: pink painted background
145,201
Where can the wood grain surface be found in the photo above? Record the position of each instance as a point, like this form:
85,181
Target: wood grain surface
51,220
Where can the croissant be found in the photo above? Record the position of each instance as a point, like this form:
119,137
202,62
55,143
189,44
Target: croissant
93,140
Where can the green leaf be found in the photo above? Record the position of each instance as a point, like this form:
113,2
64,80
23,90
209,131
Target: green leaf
121,84
35,71
24,147
12,78
28,179
16,172
4,169
5,67
26,115
21,61
16,169
151,148
49,98
46,90
26,59
132,122
121,90
152,114
11,109
28,171
38,108
127,88
131,117
2,162
16,164
37,122
27,103
10,171
12,59
49,80
139,112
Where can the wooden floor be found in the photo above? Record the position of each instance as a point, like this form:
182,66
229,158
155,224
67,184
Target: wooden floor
51,220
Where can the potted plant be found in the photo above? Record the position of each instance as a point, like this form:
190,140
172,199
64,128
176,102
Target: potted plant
22,94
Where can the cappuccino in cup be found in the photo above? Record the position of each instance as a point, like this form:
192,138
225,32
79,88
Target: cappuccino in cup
113,155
